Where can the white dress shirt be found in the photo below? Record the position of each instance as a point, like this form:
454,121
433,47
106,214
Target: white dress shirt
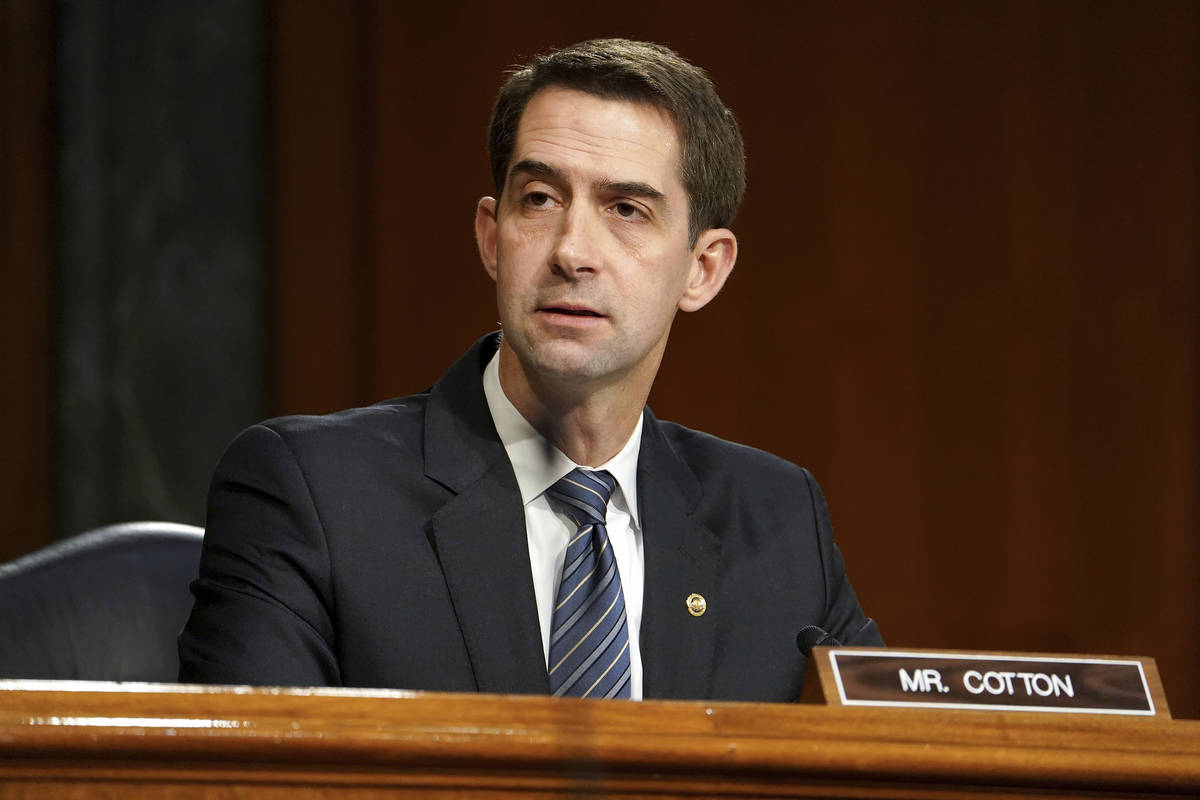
538,466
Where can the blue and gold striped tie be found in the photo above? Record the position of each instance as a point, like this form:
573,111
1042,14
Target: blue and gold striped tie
589,638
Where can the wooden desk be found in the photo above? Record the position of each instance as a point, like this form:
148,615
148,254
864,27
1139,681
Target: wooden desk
71,740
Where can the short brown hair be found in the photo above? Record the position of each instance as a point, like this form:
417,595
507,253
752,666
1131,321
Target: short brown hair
712,160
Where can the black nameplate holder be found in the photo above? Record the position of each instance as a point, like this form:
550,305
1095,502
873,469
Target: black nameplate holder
990,681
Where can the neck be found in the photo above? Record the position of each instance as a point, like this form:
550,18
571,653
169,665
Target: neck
588,423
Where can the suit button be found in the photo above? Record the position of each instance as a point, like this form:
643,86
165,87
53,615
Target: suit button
696,605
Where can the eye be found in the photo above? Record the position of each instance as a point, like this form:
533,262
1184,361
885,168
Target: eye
627,210
537,200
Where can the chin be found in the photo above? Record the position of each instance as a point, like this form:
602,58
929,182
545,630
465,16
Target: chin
566,359
574,367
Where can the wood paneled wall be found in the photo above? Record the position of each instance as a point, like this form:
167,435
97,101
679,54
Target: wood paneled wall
967,296
26,337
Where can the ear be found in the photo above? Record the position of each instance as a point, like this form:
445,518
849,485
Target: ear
485,233
713,258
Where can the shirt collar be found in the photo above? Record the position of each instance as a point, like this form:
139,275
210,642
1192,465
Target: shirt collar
538,464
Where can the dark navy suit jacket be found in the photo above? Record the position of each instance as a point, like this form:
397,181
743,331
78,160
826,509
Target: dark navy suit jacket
386,547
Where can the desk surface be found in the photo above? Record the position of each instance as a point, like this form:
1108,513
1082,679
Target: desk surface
147,740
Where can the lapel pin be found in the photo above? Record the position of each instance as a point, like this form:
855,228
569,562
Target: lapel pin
696,604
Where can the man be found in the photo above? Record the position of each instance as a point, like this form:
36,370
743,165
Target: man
527,525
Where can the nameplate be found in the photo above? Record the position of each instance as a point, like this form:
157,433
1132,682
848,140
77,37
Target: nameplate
1082,685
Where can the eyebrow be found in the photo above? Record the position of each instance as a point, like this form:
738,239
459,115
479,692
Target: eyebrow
631,188
537,168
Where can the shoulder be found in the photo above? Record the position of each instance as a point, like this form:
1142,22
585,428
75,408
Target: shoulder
714,460
335,441
735,482
391,421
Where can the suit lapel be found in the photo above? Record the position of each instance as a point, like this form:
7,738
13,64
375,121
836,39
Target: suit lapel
484,552
682,556
480,533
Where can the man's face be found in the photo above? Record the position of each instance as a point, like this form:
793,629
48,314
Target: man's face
588,242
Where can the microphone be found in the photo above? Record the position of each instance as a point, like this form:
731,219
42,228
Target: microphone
811,636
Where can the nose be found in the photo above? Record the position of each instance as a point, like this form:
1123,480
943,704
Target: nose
577,251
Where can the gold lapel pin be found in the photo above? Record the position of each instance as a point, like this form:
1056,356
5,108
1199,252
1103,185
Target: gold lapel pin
696,604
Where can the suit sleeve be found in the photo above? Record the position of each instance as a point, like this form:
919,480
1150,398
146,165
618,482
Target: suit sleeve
844,618
263,599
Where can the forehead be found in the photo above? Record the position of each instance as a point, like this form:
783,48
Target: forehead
616,139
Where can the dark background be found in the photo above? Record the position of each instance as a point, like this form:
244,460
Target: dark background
967,296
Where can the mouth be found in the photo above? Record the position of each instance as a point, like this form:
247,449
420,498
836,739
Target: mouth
571,311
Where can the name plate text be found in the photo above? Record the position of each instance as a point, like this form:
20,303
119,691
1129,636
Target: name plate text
991,682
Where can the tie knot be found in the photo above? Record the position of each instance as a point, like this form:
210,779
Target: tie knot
585,493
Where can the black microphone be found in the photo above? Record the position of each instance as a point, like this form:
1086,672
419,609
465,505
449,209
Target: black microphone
811,636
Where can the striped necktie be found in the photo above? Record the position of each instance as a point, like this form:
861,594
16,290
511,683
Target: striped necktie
589,638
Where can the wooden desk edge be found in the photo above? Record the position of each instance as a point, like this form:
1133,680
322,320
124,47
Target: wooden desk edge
109,725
